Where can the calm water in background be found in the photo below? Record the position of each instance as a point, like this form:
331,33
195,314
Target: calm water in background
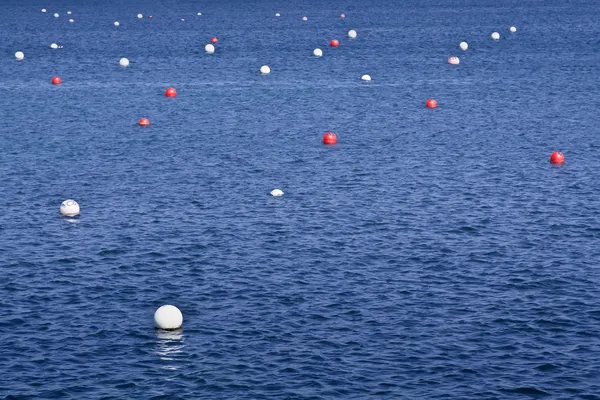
430,254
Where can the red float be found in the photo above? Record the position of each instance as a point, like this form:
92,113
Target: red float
431,103
56,80
144,122
329,138
214,40
557,158
171,92
334,43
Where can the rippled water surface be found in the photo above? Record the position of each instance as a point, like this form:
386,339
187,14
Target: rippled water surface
430,254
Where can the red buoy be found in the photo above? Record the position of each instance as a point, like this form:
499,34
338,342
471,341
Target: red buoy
557,158
431,103
329,138
171,92
334,43
150,16
214,40
144,122
56,80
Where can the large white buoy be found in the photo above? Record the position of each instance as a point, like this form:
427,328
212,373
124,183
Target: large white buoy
124,62
265,70
43,10
19,55
71,20
463,46
366,77
277,15
209,48
495,36
69,208
199,14
352,34
168,317
453,60
513,29
54,46
318,52
69,12
304,18
140,16
56,15
276,192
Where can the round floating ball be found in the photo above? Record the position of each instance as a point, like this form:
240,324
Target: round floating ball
366,77
117,23
182,19
495,36
140,16
431,103
463,46
352,34
265,70
276,192
278,15
329,138
69,12
171,92
19,55
557,158
71,20
318,52
513,29
342,15
304,18
56,80
56,15
69,208
144,122
454,60
54,46
209,48
214,40
168,318
199,14
43,10
149,16
123,62
334,43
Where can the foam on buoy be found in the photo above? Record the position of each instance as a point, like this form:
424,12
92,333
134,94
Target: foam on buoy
209,48
431,103
171,92
557,158
140,16
495,36
317,52
513,29
123,62
366,77
214,40
463,46
352,34
19,55
453,60
168,317
304,18
265,70
144,122
56,80
43,10
117,23
56,15
329,138
69,208
334,43
276,192
54,46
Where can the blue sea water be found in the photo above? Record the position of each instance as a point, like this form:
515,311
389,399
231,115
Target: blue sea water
430,254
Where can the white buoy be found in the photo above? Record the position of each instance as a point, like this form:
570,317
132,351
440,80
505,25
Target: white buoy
71,20
124,62
318,52
43,10
69,208
352,34
276,192
56,15
453,60
304,18
366,77
513,29
117,23
168,317
19,55
54,46
69,12
199,14
209,48
495,36
265,70
140,16
278,15
463,46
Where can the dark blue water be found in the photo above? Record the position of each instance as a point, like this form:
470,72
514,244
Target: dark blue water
430,254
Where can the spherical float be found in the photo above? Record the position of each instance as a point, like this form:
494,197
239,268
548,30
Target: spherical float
453,60
277,15
199,14
431,103
149,16
117,23
140,16
214,40
54,46
352,34
168,317
513,29
71,20
318,52
304,18
366,77
56,15
69,208
124,62
43,10
276,192
69,12
265,70
463,46
557,158
329,138
342,15
209,48
56,80
144,122
495,36
19,55
334,43
171,92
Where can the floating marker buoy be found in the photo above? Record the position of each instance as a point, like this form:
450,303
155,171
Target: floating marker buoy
265,70
69,12
209,48
513,29
199,14
214,40
54,46
117,23
329,138
144,122
431,103
123,62
149,16
182,19
19,55
56,80
140,16
171,92
463,46
495,36
304,18
278,15
276,192
352,34
56,15
453,60
43,10
342,15
318,52
334,43
71,20
366,77
69,208
557,158
168,317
